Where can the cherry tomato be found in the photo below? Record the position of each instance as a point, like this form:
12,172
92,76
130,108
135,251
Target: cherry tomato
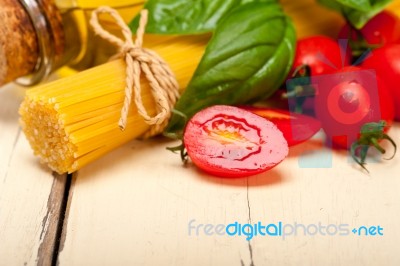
386,62
321,54
348,99
316,55
227,141
296,128
382,29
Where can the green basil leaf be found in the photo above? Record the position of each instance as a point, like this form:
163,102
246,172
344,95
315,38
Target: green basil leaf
357,12
247,59
186,16
361,5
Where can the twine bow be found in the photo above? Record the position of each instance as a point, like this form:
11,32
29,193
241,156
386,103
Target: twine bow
164,86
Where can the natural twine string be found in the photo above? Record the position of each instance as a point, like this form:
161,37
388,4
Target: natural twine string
164,86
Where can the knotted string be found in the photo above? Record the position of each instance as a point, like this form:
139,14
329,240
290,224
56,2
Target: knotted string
163,84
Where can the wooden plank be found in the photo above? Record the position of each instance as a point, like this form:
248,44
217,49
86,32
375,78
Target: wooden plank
338,195
133,206
30,196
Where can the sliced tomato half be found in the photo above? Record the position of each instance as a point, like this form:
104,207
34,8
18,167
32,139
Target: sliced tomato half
231,142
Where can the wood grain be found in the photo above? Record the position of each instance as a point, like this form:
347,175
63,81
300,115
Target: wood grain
30,196
340,195
134,207
140,215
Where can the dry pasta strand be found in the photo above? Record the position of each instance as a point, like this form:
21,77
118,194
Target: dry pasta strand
73,121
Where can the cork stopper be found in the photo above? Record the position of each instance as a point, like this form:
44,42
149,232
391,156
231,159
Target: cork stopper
57,28
19,51
26,49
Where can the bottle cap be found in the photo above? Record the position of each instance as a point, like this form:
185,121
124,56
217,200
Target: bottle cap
31,40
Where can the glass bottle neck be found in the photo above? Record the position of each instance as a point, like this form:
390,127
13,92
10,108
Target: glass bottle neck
45,41
85,48
64,36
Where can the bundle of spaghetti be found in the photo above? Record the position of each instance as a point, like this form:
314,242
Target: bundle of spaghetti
73,121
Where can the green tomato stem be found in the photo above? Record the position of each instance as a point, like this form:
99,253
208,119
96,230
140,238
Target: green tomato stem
370,135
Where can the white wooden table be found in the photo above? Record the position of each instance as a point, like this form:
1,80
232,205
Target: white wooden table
31,197
134,206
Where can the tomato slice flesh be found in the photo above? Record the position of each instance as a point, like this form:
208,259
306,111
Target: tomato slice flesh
230,142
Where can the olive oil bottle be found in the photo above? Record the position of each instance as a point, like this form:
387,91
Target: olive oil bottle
38,37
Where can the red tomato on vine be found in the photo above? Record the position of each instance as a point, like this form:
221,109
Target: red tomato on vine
321,54
355,109
381,30
386,62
